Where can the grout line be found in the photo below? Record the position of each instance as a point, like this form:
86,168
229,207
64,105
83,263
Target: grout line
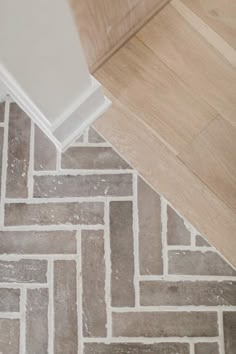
191,348
152,340
16,285
221,332
31,162
76,171
10,315
190,308
16,257
54,227
108,269
4,161
164,235
66,200
22,321
135,239
179,277
97,145
2,125
193,238
79,292
85,135
58,165
50,307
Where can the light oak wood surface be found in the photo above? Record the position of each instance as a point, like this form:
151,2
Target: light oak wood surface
193,59
203,28
174,119
219,14
104,25
141,81
212,157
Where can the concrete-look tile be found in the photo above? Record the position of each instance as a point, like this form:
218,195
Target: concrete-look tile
44,161
2,111
37,321
9,336
122,253
92,158
9,300
177,233
201,242
198,263
65,307
93,278
136,348
18,153
38,242
206,348
229,321
184,293
83,185
94,137
88,213
23,271
150,241
165,324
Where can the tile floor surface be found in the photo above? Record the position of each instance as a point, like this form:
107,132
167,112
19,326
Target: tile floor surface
93,261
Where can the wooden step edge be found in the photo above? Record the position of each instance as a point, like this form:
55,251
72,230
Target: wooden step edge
128,35
170,177
214,39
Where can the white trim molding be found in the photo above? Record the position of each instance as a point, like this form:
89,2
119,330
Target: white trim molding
43,69
71,123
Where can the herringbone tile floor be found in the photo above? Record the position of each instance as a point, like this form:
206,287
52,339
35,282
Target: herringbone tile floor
93,261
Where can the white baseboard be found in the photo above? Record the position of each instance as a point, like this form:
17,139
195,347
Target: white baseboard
72,121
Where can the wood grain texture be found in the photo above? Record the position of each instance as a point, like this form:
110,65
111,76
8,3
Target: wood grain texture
105,25
174,117
193,59
218,42
169,176
212,157
219,14
140,80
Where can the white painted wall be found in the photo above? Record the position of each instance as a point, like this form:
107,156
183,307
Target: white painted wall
42,62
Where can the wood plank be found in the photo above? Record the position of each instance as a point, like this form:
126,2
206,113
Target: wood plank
170,177
105,25
193,59
150,89
219,14
212,157
218,42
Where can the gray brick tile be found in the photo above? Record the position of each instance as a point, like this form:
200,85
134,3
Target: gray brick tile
18,153
83,185
23,271
65,307
38,242
198,263
54,213
178,293
93,273
122,257
165,324
37,321
92,158
150,241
